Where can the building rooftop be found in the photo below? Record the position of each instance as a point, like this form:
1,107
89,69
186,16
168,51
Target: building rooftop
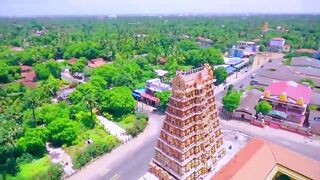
262,160
233,61
305,61
314,116
277,71
156,85
311,51
249,100
161,72
72,61
292,89
315,98
93,63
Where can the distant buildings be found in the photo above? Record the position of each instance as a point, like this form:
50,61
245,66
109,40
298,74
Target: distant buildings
278,44
244,49
235,64
204,42
264,160
190,142
289,101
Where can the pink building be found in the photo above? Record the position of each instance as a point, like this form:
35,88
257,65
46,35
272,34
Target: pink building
289,101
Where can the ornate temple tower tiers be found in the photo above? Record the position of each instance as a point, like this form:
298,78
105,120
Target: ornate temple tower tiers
190,141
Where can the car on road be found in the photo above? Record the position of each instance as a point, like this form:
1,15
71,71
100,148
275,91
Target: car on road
253,75
241,86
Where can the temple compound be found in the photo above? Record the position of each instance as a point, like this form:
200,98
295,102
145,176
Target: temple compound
190,141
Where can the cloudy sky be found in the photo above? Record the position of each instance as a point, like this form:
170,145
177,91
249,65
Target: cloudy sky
105,7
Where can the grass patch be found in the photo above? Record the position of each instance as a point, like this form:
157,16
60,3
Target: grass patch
36,170
287,61
127,122
97,134
248,88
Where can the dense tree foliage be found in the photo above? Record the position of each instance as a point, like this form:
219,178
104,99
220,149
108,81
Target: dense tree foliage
34,141
117,101
164,98
231,100
264,107
220,74
45,70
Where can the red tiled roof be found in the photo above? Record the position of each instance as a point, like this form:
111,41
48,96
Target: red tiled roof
152,98
292,90
200,38
25,68
73,61
96,62
162,60
311,51
258,158
28,76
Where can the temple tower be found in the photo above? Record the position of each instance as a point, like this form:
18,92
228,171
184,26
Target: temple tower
190,141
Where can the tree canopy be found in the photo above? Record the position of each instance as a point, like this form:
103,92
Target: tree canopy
231,100
264,107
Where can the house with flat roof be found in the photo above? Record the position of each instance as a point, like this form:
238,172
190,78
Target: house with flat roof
156,85
246,109
243,49
276,44
289,101
314,121
260,159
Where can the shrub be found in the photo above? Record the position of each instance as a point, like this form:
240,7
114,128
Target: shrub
138,126
55,171
313,107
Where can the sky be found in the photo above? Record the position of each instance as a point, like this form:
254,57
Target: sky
121,7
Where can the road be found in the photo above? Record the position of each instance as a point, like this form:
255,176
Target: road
130,160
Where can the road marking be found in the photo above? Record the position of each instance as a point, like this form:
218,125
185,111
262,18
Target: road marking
115,177
103,171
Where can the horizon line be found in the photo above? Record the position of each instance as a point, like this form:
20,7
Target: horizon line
160,14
